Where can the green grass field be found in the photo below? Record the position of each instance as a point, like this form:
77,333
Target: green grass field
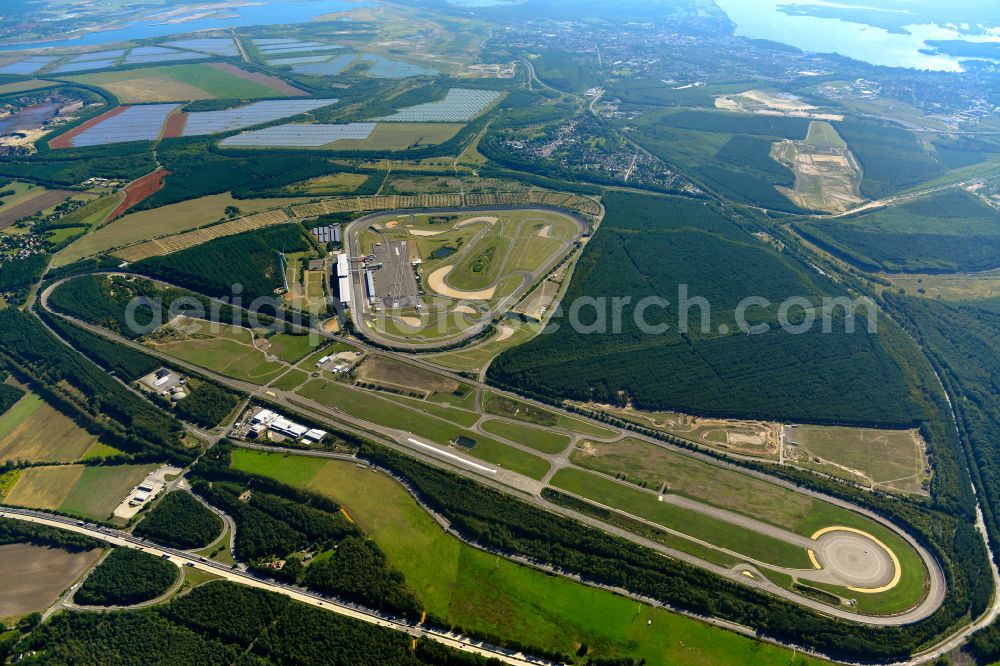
521,411
293,348
225,349
400,136
34,431
165,221
641,462
485,594
717,532
545,441
88,492
174,83
101,489
290,381
370,407
889,459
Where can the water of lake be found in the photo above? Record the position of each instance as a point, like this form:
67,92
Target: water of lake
271,13
761,19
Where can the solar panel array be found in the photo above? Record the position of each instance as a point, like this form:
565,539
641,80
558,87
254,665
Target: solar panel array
298,60
135,123
218,46
458,106
84,66
287,46
257,113
326,68
167,56
28,65
301,136
150,50
113,54
386,68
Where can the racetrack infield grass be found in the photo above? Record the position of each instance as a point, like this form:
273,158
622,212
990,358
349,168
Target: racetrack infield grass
178,83
888,459
720,533
293,348
640,462
500,405
225,356
536,438
489,595
392,414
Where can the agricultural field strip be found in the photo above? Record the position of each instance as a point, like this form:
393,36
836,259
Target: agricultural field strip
580,204
936,585
135,123
255,113
183,559
301,136
188,239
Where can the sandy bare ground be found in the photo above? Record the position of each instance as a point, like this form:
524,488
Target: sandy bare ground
465,309
436,281
32,577
409,321
545,232
505,333
474,220
425,232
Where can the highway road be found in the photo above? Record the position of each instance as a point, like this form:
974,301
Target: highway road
183,559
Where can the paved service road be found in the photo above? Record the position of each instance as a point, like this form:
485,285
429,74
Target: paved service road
183,559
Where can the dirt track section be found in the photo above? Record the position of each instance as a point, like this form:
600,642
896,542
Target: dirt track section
10,215
140,190
436,281
174,126
65,139
271,82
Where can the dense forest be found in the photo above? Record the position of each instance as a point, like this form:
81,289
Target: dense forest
947,232
104,300
207,403
18,531
18,275
891,157
296,537
251,260
180,521
963,341
218,624
85,391
127,577
654,247
9,395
